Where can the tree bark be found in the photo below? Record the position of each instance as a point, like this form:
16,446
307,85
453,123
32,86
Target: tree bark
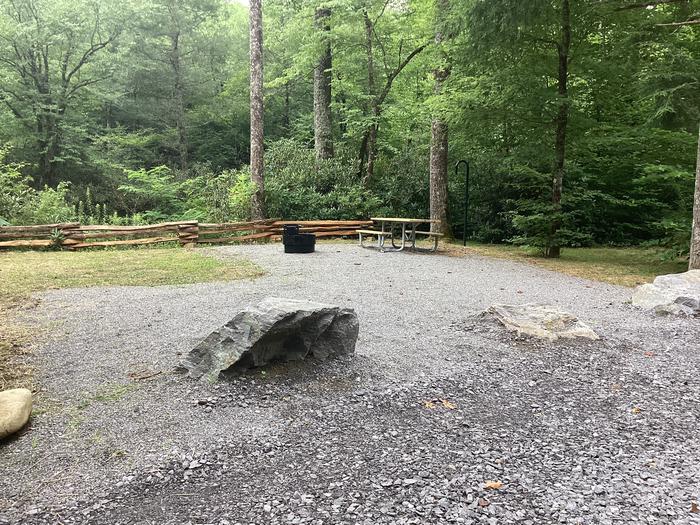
439,141
694,263
179,96
368,147
370,140
438,176
256,111
323,122
561,122
47,120
49,146
285,115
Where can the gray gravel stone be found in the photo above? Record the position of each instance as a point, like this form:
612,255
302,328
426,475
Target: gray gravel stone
555,423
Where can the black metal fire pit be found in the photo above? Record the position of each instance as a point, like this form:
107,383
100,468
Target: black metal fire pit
295,242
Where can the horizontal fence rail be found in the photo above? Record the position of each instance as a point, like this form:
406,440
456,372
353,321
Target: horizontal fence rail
74,236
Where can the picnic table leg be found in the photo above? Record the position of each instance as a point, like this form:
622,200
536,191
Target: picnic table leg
403,238
381,238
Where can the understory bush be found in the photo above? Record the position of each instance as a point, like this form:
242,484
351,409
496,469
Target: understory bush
22,204
300,188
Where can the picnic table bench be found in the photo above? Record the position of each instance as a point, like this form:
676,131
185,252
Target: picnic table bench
388,229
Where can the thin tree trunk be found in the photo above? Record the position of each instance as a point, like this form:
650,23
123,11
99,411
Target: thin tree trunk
370,143
323,123
561,122
285,116
368,148
694,263
363,154
342,100
49,144
439,138
438,175
256,110
178,91
47,120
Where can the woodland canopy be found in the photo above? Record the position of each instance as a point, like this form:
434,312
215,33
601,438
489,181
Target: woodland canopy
138,111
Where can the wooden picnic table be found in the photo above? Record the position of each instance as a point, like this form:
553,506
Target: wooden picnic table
409,233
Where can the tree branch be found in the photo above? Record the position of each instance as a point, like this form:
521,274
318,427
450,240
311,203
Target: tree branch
650,3
692,22
395,73
84,83
87,55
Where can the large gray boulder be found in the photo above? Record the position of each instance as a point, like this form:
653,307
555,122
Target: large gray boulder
540,320
15,409
274,330
677,294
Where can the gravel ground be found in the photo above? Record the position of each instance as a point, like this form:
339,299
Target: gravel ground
433,406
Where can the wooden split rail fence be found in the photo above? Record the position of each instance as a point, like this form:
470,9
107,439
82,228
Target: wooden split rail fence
74,236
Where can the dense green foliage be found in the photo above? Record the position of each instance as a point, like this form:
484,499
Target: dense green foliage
138,111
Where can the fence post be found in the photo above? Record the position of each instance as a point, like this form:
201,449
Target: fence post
188,233
72,234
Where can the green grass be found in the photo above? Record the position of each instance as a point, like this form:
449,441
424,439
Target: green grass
107,394
22,273
621,266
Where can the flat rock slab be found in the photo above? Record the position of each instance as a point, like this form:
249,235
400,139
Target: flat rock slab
274,330
15,408
676,294
540,320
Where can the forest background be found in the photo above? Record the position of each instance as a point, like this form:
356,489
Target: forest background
136,112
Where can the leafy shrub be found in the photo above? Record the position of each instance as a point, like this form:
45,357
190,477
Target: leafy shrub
50,206
22,204
673,236
299,188
153,192
15,191
240,194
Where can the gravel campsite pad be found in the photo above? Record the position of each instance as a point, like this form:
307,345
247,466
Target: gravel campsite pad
438,417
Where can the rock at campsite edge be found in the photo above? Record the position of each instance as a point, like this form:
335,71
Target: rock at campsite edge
676,294
274,330
540,320
15,409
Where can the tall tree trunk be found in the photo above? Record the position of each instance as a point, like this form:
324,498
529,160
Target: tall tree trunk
285,115
694,263
372,143
439,136
47,121
256,110
342,99
370,140
49,143
368,148
561,122
323,123
438,175
179,96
